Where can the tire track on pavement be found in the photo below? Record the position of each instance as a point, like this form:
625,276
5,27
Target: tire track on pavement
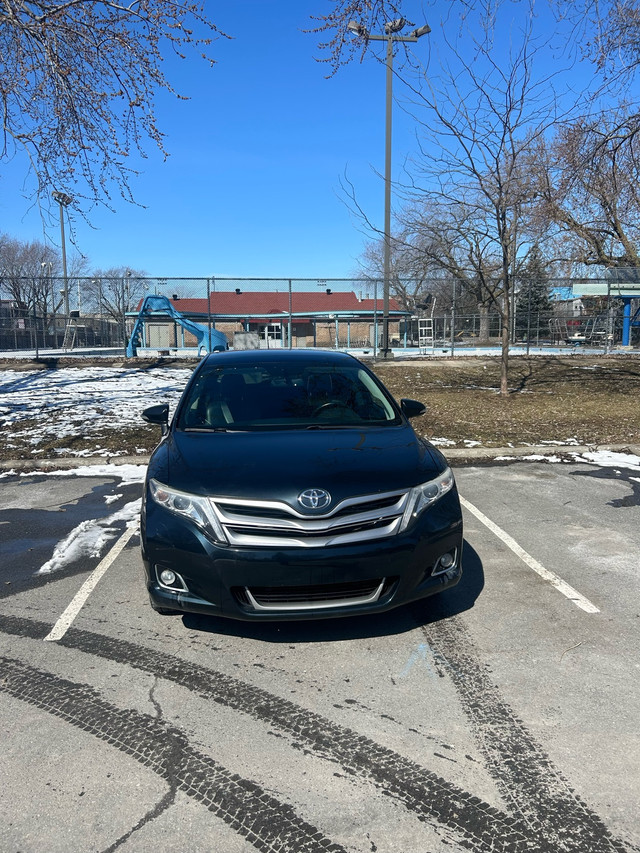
475,824
523,772
271,826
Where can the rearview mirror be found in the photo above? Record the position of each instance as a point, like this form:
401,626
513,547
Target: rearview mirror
158,415
412,408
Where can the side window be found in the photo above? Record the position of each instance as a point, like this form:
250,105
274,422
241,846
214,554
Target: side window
199,406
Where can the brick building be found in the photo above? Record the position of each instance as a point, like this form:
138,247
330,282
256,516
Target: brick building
324,318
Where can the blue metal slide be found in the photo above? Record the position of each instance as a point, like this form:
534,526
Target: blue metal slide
209,339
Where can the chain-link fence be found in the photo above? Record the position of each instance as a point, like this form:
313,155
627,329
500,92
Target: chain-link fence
104,314
24,329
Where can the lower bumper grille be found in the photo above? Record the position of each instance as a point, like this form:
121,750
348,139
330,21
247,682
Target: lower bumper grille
313,597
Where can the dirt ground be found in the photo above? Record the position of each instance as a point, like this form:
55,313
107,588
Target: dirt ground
575,399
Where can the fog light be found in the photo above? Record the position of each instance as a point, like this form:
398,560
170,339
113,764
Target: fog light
445,562
170,580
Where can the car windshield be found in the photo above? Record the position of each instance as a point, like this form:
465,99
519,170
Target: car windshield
284,395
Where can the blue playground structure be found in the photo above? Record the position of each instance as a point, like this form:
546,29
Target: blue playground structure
625,291
208,339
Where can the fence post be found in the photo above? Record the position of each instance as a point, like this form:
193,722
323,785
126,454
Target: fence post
375,319
209,314
124,319
35,329
290,328
608,326
453,318
529,318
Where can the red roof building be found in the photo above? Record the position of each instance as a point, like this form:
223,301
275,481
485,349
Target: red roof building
324,318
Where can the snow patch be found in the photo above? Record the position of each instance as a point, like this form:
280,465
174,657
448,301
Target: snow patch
89,538
126,473
609,459
46,404
568,442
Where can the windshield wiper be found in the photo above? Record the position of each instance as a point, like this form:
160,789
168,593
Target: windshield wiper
209,429
334,426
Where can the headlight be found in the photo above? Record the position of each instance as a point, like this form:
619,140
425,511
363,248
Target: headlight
194,507
425,495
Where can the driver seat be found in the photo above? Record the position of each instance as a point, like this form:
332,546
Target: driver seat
319,390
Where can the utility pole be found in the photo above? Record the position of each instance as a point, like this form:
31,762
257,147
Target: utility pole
64,201
391,28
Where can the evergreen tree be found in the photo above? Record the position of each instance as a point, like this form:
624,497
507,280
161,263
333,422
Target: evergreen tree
533,302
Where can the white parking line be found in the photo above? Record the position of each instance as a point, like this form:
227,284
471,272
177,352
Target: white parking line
556,581
66,619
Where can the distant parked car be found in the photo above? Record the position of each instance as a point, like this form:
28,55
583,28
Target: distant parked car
290,485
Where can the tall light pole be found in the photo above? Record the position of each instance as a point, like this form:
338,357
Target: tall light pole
98,282
126,295
391,30
213,278
46,267
64,201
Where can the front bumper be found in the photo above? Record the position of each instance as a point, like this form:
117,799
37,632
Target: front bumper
269,584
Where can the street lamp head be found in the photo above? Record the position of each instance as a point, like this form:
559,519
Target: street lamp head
62,198
357,28
394,26
421,31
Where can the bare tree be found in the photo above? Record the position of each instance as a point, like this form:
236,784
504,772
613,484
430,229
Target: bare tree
116,291
338,44
478,114
457,242
413,277
28,277
605,31
589,188
489,112
78,79
28,273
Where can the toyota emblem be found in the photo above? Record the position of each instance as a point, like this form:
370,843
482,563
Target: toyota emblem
314,499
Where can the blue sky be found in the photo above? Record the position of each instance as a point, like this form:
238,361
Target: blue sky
252,186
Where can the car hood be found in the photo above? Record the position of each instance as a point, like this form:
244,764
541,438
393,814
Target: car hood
279,465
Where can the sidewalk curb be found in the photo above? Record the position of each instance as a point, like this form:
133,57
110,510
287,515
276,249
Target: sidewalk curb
70,462
456,455
471,455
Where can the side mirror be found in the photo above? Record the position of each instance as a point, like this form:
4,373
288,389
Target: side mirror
158,415
412,408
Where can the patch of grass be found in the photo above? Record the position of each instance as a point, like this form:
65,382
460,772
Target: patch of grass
590,400
128,441
579,399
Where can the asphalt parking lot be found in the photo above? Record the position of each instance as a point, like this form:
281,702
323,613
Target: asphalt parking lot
499,716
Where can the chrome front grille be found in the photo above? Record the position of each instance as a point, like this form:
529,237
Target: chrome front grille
273,524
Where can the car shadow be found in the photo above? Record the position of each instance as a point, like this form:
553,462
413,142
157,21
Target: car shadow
449,603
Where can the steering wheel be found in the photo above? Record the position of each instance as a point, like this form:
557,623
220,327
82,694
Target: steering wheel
330,404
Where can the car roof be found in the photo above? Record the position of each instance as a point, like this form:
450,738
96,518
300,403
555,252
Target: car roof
302,356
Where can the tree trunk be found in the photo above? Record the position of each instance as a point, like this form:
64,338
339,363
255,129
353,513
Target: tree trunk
504,359
483,332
